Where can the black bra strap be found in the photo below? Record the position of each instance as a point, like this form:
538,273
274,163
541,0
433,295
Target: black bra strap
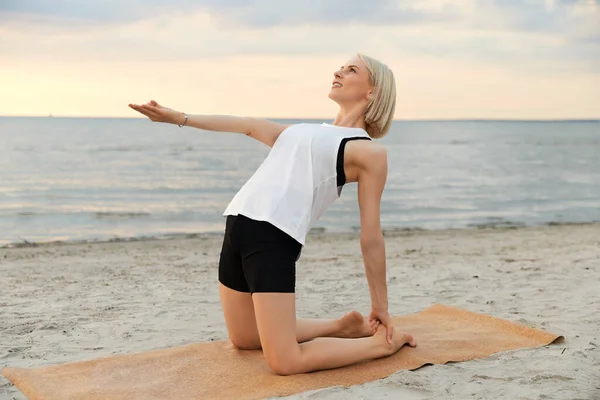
341,175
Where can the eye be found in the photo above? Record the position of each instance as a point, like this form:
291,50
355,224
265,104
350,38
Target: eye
352,69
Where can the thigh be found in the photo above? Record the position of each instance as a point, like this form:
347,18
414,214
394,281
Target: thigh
268,258
235,295
231,273
270,271
238,311
276,322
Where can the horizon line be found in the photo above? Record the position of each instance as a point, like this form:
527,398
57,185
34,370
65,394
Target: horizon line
431,119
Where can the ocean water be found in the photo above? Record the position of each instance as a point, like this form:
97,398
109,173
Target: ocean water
100,179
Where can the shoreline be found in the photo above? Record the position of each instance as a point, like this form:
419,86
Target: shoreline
488,226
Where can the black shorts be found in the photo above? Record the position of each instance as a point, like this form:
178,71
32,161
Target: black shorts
257,257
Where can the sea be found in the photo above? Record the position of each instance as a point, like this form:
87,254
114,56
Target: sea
103,179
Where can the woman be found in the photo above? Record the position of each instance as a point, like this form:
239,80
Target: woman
268,219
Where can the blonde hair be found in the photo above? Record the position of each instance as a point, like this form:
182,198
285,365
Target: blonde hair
379,113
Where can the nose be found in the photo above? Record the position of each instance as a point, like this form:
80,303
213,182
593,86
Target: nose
337,74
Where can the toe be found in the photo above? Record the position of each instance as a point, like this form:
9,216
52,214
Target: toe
410,340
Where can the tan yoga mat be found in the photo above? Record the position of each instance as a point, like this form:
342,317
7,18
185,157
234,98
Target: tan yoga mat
214,370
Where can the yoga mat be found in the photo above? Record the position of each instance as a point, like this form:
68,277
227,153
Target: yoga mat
215,370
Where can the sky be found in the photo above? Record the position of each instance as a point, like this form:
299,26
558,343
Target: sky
452,59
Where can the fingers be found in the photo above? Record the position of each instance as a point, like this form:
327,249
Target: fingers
390,333
148,111
138,108
149,107
151,103
374,325
153,110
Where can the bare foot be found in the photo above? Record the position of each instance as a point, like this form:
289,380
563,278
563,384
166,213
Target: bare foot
353,325
399,339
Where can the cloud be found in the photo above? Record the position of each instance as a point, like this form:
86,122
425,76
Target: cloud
256,13
91,10
556,34
270,13
442,50
545,16
536,15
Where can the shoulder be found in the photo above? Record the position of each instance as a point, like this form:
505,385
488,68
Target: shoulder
300,127
368,155
301,131
364,161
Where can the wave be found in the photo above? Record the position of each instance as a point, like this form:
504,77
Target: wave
317,231
25,148
115,239
95,214
124,215
497,224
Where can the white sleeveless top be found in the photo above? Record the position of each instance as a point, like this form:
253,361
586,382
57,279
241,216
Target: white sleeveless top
298,180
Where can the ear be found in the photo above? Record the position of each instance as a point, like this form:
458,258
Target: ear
371,92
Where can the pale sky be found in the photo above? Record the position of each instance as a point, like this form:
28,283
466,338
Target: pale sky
505,59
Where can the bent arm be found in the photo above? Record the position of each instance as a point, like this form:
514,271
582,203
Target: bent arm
371,182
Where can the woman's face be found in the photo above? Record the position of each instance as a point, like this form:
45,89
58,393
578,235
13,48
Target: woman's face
351,83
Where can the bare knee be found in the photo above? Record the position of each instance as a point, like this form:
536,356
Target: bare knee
283,364
242,343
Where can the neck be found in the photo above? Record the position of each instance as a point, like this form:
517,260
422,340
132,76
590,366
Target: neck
351,117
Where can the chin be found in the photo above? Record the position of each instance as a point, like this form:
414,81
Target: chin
333,96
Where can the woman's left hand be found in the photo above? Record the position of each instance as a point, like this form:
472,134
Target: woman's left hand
381,316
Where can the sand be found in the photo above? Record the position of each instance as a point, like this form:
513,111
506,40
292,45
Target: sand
71,302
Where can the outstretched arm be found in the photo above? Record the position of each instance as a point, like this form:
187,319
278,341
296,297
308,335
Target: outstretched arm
371,181
263,130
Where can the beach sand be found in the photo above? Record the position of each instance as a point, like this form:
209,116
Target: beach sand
71,302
